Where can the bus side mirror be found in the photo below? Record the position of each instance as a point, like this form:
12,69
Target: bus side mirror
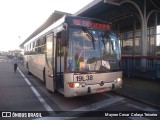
63,38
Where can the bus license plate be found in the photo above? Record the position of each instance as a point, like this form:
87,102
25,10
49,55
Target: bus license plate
87,77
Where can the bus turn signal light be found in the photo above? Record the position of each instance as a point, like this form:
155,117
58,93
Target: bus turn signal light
70,84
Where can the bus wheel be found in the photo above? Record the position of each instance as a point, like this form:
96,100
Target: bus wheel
44,77
28,72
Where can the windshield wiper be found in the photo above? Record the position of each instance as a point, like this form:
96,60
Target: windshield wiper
103,37
103,43
107,36
89,35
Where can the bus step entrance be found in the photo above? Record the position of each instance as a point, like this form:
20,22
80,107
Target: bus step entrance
61,90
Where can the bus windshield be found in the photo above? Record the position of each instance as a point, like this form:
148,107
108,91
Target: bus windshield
92,50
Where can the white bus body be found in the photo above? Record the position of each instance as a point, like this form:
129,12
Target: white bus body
75,56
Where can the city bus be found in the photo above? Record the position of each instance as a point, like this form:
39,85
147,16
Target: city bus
75,56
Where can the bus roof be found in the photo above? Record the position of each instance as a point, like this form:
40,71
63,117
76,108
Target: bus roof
56,15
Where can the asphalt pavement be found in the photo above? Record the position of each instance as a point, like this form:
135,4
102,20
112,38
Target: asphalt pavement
15,93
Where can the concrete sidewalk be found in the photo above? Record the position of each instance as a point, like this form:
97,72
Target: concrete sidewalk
142,90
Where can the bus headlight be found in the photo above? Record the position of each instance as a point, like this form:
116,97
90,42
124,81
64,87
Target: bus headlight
76,85
118,80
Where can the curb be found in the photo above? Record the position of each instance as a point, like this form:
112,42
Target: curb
139,100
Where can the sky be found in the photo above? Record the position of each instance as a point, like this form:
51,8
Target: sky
20,18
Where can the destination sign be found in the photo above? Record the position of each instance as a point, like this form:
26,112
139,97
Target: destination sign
89,23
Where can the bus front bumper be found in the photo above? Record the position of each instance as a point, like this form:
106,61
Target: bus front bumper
95,88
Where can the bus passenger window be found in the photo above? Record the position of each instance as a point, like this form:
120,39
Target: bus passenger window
33,44
44,41
39,50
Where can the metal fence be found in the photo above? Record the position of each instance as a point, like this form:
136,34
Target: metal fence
132,66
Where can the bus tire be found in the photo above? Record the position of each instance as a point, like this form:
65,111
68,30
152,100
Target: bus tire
28,72
44,76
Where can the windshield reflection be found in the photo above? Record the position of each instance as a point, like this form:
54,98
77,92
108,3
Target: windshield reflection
92,50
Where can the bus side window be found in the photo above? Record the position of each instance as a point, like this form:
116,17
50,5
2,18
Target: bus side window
38,42
35,44
61,43
44,41
44,45
39,50
60,48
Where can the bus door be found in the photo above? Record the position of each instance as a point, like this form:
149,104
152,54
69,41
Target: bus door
59,64
49,75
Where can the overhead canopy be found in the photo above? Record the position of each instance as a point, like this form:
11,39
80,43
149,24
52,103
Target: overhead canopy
56,15
122,13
